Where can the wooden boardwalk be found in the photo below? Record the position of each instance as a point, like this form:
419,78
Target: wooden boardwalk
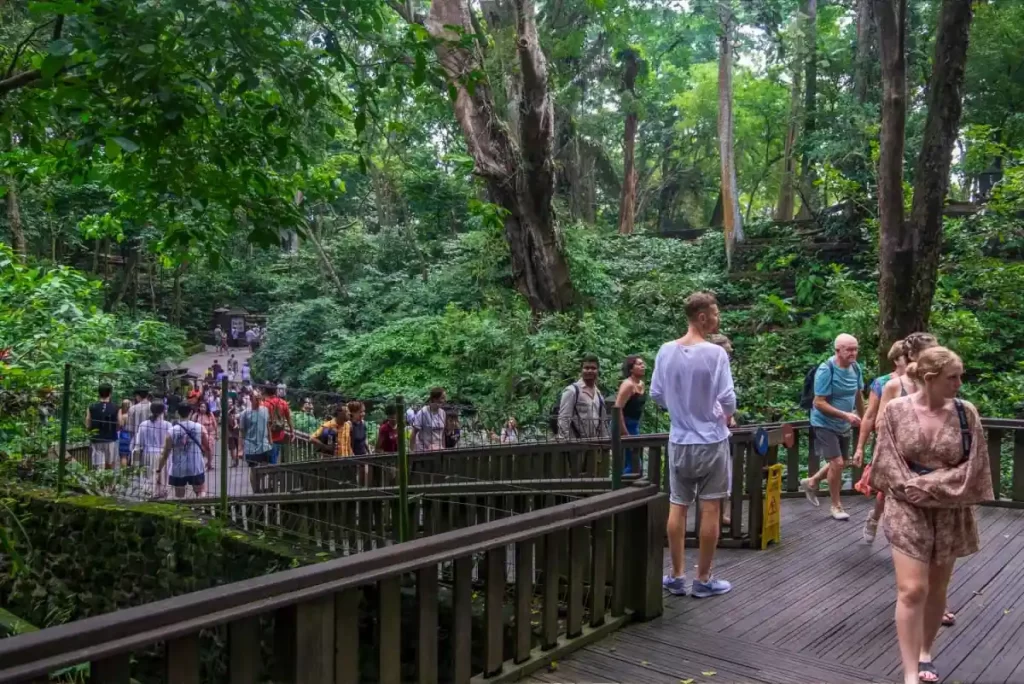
819,608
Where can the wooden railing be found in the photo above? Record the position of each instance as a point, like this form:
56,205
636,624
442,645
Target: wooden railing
493,601
505,462
1005,447
346,521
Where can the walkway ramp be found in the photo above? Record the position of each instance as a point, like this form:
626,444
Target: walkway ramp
819,608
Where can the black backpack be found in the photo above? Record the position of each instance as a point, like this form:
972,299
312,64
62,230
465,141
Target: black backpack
807,395
553,413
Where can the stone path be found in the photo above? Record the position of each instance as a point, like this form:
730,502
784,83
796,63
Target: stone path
198,363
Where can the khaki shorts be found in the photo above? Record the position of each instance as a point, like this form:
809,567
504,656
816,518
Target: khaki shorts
699,471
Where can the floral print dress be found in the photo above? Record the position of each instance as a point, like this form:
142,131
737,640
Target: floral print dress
941,527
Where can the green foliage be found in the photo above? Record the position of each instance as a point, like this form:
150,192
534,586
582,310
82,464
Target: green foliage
89,555
399,330
50,317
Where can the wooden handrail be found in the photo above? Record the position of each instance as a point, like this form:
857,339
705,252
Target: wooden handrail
103,635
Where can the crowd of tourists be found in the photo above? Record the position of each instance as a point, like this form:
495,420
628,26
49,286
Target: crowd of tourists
253,337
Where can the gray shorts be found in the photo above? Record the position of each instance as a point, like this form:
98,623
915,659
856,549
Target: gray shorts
105,454
829,445
698,471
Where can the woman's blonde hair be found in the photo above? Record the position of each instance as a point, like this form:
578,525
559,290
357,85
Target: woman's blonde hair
896,351
931,361
915,343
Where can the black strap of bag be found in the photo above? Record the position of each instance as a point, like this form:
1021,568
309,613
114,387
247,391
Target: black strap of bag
966,439
193,438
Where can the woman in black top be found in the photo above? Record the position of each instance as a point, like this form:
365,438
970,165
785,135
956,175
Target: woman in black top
631,399
357,431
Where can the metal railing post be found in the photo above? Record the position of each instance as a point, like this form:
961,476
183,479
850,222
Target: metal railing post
224,447
617,455
403,472
65,409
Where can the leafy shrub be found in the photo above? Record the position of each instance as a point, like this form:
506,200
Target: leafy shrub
49,317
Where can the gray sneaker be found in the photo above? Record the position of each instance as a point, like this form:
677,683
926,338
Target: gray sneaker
839,514
713,587
674,585
810,491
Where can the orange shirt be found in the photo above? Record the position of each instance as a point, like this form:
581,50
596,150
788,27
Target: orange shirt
278,410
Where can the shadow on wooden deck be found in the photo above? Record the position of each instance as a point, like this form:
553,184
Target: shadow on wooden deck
819,608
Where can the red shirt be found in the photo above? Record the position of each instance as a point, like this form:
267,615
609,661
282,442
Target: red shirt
387,438
277,408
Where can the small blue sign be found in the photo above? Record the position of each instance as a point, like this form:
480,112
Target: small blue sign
761,441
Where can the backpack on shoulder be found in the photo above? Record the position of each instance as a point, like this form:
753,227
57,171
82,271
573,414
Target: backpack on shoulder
807,394
553,413
277,422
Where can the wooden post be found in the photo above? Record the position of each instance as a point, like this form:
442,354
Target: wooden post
793,464
644,559
654,459
224,448
403,473
995,460
617,455
1017,476
755,487
65,409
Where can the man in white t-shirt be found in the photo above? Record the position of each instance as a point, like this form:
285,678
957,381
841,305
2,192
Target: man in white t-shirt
693,380
148,444
428,423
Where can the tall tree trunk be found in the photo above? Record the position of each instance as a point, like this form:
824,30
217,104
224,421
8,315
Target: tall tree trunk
809,204
128,275
14,219
866,54
176,295
931,175
787,202
895,248
627,204
732,222
518,170
152,284
313,237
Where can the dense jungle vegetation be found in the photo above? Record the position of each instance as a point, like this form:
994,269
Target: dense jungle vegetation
474,195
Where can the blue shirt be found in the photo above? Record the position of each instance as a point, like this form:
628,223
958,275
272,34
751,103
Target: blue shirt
840,387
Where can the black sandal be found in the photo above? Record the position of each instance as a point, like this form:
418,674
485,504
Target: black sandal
928,669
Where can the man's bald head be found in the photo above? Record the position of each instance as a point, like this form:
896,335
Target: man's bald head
846,349
845,340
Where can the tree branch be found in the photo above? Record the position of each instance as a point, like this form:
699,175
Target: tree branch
23,44
19,80
404,12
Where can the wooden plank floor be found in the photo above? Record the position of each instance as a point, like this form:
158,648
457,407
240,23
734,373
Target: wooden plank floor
819,608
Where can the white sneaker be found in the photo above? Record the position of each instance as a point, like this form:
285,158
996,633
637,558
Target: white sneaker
839,514
811,492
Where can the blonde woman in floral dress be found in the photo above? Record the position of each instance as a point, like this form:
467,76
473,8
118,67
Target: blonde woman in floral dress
932,466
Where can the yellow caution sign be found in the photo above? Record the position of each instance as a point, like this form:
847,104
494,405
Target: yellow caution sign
771,521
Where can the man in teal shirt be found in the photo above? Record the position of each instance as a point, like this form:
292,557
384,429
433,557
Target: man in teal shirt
838,405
